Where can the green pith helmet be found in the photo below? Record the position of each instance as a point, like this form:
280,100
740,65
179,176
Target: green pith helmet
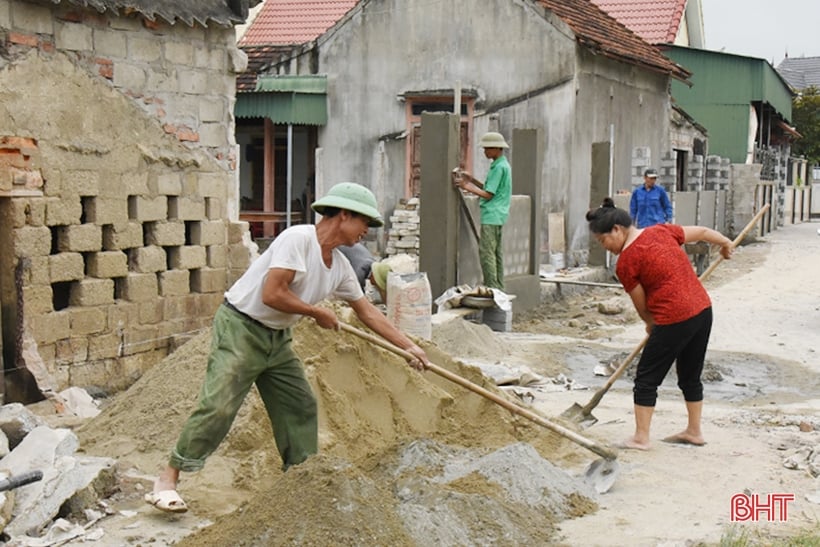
493,140
351,197
380,271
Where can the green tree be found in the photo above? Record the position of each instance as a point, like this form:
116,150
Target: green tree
806,118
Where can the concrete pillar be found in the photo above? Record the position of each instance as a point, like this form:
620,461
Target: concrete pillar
439,210
527,154
598,190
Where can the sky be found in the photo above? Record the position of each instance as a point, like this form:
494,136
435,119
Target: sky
767,29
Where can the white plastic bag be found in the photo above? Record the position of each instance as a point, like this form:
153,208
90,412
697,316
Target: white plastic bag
409,303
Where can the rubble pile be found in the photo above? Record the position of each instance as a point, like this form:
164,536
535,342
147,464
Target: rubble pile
70,485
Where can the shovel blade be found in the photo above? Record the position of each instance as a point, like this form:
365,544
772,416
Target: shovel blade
601,474
577,415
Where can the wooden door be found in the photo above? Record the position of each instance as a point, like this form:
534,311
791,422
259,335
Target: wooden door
414,182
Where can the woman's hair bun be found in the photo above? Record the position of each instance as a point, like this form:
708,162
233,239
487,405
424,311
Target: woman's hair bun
608,203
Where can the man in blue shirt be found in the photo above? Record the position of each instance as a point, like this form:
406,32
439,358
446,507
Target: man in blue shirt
649,204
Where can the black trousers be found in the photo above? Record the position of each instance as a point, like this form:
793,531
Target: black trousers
684,342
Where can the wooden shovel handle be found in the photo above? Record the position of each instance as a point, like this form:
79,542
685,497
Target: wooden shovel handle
463,382
620,370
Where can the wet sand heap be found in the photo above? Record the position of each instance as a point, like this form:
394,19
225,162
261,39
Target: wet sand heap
406,458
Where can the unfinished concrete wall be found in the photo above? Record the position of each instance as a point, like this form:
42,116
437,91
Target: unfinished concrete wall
388,50
619,104
116,184
383,54
747,194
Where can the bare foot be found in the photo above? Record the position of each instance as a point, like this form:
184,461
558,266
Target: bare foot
685,438
632,444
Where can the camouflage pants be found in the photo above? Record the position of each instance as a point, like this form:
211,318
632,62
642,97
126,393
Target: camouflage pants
244,353
491,256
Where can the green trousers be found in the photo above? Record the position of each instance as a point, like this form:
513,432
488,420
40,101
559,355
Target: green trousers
244,352
491,256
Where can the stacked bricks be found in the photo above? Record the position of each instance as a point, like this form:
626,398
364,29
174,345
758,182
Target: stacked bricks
19,166
107,280
403,237
717,173
180,75
668,174
115,233
694,176
497,319
641,161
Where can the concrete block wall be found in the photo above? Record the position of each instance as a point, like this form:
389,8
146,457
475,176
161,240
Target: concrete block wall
115,219
641,161
717,173
696,169
182,76
95,293
668,174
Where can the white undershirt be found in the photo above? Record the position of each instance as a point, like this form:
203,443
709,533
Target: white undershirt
297,249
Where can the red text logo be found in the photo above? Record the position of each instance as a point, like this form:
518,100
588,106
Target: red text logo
754,507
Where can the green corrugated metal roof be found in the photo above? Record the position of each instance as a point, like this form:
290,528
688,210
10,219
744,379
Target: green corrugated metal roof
723,88
298,100
298,84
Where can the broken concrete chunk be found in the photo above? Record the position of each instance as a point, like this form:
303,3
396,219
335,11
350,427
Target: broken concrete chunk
4,445
40,449
6,503
16,421
37,504
611,307
78,402
799,459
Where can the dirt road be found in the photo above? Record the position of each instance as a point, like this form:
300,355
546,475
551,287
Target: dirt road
765,354
763,385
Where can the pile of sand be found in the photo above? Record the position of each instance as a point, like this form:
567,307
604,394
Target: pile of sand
374,412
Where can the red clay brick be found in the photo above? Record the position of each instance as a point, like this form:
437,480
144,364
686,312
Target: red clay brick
18,143
152,25
72,16
188,135
105,68
23,39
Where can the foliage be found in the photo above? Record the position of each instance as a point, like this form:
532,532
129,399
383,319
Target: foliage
806,118
739,536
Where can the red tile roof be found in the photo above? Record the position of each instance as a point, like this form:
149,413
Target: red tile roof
258,58
656,21
294,22
599,32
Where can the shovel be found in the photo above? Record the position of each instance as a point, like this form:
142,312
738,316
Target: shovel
583,414
600,473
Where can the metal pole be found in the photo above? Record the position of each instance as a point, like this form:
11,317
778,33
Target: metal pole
290,173
457,99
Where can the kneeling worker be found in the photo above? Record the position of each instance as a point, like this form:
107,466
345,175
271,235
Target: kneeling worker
367,267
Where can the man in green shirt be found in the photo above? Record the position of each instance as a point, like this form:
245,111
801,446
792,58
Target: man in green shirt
494,200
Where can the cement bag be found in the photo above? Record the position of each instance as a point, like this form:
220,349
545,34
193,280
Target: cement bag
410,303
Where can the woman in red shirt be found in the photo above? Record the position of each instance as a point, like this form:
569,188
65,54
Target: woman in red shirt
656,273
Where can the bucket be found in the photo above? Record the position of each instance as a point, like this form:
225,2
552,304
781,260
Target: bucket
557,260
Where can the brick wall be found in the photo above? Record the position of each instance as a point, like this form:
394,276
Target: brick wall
117,183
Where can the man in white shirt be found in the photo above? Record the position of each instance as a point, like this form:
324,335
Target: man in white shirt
252,337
